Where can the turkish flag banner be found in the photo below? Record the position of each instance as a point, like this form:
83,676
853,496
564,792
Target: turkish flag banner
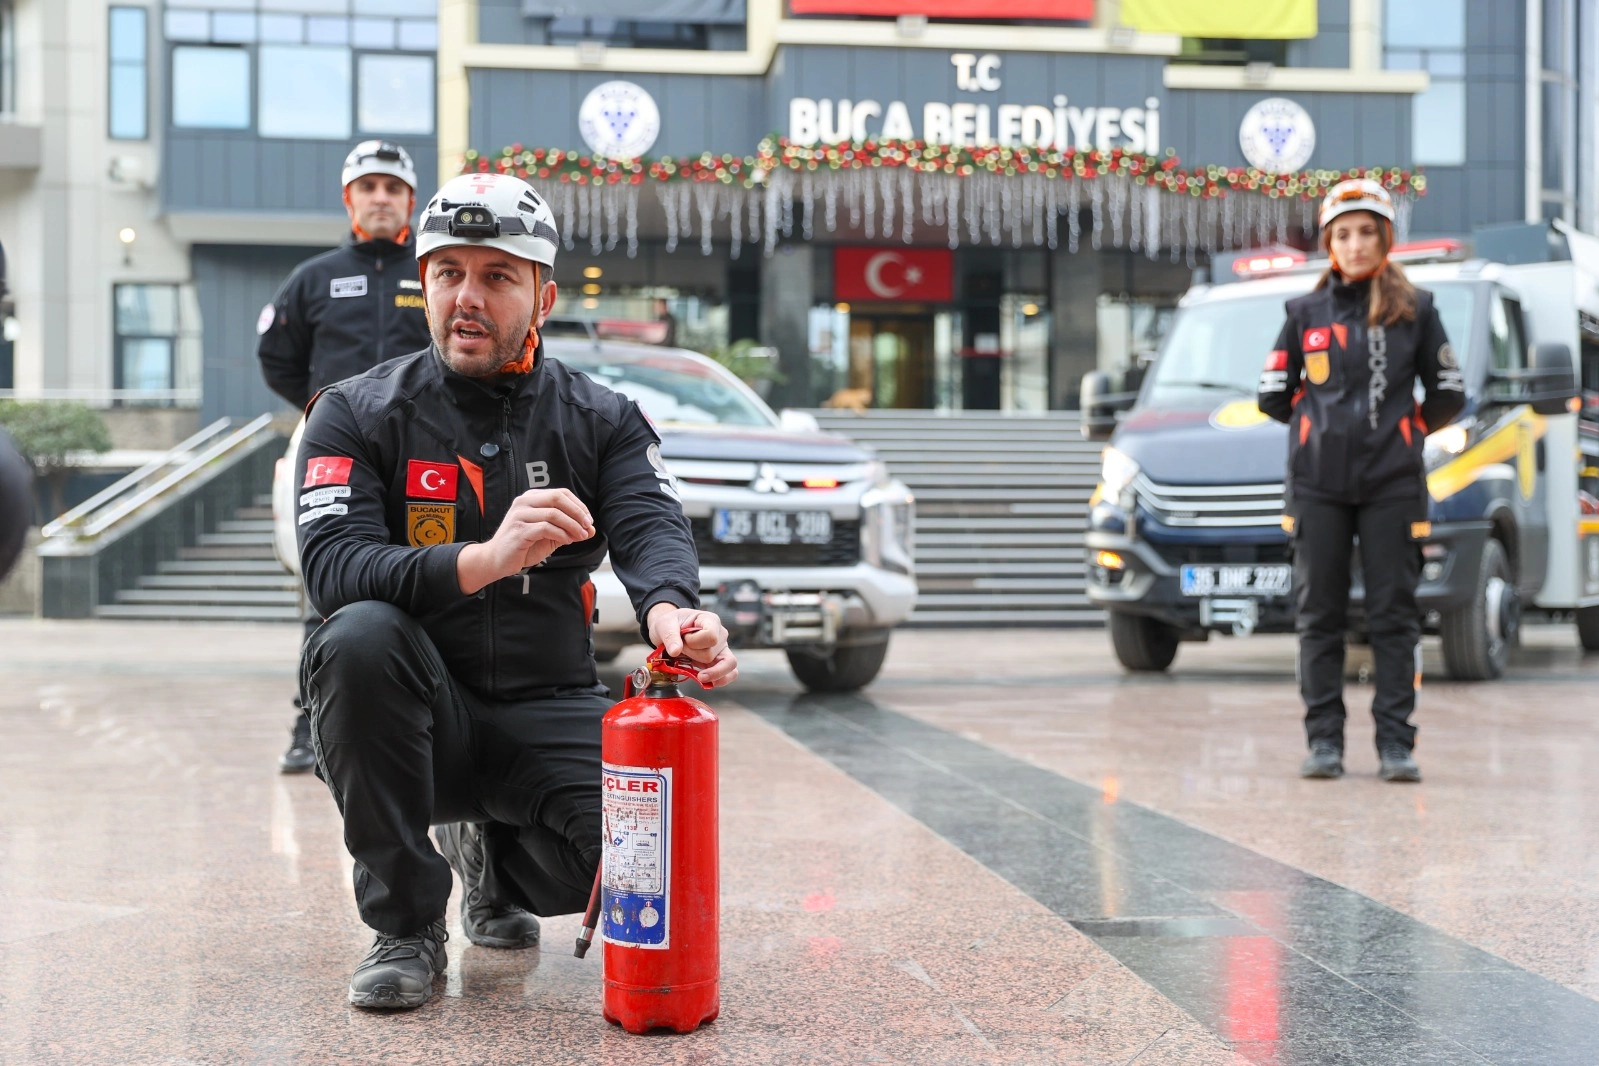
430,481
1074,10
327,470
876,274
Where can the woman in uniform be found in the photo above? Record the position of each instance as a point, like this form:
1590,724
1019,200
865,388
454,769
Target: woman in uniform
1343,376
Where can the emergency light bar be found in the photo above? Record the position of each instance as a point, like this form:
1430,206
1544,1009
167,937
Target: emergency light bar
1268,261
1266,264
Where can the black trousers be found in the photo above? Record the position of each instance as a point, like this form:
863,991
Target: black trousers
1390,560
402,745
310,619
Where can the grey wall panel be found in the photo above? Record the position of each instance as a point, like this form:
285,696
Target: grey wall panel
1377,135
1329,48
1495,25
233,283
1442,211
225,170
501,23
539,108
1352,129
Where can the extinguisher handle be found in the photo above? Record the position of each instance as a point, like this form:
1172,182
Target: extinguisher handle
681,665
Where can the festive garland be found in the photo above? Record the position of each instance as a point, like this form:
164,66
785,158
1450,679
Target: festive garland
775,153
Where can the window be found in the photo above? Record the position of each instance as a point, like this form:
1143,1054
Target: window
1429,24
129,74
396,94
211,88
8,59
312,69
1504,330
305,92
1438,124
146,337
1430,35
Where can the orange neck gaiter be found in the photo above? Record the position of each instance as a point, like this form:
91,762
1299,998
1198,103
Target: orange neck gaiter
362,235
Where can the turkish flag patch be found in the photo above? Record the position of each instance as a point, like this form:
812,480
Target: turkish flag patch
1277,360
327,470
430,481
1316,340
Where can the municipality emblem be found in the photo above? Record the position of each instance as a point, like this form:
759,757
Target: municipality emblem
619,120
1277,136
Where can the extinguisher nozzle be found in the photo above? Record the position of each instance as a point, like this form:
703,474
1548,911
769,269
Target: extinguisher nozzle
583,942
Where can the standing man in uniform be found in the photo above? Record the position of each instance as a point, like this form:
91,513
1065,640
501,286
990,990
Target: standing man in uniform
452,506
345,311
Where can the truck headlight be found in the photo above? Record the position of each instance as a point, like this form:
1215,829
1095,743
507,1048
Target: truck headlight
1116,474
888,528
1445,444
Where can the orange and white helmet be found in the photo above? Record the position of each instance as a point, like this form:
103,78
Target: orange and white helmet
1356,194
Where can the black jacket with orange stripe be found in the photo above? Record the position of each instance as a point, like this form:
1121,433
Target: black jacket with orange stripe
403,466
1347,392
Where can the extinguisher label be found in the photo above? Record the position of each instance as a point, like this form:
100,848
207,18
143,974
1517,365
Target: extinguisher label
638,855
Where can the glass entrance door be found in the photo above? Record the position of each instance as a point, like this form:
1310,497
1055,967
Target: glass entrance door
891,360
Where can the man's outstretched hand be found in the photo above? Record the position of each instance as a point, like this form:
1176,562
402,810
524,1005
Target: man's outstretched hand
697,635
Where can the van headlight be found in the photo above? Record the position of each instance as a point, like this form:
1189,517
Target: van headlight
1444,445
888,528
1116,473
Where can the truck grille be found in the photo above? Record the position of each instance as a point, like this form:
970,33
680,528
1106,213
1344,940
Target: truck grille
1210,506
1178,554
843,550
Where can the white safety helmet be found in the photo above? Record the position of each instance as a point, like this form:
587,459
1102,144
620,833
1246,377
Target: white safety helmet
1356,194
379,157
489,211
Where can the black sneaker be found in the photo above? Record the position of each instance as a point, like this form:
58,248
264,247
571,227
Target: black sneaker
1324,761
299,758
488,923
1398,764
398,973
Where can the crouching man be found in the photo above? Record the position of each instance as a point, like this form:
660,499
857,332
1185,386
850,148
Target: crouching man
452,505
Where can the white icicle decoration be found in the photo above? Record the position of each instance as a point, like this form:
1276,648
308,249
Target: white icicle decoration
632,221
568,216
668,198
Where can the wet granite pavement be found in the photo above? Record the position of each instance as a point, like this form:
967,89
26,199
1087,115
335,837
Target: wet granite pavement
1026,858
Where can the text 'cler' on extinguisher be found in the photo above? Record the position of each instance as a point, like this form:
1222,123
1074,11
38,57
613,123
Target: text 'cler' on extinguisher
656,893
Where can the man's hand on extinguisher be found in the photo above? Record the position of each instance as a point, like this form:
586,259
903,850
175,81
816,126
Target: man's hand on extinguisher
697,635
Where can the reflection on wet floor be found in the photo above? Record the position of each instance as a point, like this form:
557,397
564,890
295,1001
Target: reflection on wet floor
1278,962
1046,863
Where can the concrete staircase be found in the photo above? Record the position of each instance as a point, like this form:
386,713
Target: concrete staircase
1001,503
230,576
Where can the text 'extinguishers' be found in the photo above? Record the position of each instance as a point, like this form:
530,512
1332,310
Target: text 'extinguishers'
655,895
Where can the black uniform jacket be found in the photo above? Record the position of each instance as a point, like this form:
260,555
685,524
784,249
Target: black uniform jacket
340,314
403,466
1347,392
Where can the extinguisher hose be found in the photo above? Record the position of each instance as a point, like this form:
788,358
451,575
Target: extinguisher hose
591,918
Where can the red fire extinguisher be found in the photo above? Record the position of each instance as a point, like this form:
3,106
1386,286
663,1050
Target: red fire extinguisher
656,893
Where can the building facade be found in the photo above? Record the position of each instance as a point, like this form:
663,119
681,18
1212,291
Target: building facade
168,163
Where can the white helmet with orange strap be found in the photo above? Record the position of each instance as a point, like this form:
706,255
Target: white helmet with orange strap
1356,194
490,211
379,157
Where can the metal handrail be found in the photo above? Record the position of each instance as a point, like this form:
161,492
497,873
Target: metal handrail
144,496
77,514
130,504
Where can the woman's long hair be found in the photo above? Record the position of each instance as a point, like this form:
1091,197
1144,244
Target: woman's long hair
1393,297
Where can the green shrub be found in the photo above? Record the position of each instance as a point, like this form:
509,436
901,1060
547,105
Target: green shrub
749,362
46,432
